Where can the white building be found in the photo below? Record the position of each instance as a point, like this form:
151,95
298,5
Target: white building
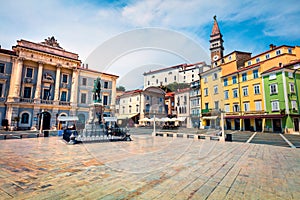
137,104
183,73
182,103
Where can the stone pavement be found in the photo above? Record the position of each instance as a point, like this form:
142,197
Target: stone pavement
147,168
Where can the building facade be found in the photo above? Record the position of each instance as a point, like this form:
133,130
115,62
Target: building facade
138,104
44,84
182,105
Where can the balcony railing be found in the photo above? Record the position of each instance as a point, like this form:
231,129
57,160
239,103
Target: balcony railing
46,101
26,100
64,103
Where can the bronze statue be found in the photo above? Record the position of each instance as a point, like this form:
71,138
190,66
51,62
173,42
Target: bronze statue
97,90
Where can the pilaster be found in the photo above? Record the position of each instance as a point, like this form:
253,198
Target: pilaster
74,90
57,83
37,95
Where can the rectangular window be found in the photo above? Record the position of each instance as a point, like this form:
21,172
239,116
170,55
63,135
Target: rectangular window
249,63
215,89
216,105
215,76
205,79
1,89
27,92
256,89
290,50
2,66
166,80
258,106
246,106
105,100
234,80
226,94
267,56
105,85
275,105
63,96
244,77
174,78
290,75
205,91
257,60
137,108
292,88
83,98
156,81
65,78
84,81
255,73
245,91
235,93
272,76
129,109
206,106
236,108
225,81
273,89
29,72
278,52
227,108
294,105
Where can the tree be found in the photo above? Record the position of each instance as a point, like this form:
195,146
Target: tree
172,87
121,88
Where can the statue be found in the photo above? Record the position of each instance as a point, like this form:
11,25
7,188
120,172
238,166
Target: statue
97,90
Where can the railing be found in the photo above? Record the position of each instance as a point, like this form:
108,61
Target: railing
2,99
26,100
64,103
46,101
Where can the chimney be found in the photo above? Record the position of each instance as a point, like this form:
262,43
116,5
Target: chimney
86,66
272,46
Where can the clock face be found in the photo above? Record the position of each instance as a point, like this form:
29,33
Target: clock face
215,57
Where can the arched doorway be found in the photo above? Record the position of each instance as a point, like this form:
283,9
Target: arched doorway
45,120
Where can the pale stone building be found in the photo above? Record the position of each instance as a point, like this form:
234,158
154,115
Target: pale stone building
183,73
195,105
182,105
138,104
44,81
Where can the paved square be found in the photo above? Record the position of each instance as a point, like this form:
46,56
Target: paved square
147,168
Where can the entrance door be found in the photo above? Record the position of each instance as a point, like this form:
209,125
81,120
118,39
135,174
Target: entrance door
277,126
228,124
46,120
247,124
236,124
258,125
296,124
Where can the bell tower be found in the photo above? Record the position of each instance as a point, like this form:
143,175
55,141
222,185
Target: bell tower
216,42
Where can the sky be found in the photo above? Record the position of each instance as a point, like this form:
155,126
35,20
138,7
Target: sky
127,38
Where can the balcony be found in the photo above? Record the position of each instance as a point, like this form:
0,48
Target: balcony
46,101
203,111
64,85
64,103
28,80
26,100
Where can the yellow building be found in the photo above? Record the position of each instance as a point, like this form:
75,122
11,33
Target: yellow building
243,90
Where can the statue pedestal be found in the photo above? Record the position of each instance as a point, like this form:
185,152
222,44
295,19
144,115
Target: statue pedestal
95,121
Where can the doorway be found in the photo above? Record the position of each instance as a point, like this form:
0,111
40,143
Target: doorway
45,120
296,124
228,124
236,124
277,126
247,124
258,125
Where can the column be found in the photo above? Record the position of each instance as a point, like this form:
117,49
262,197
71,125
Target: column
18,77
38,88
57,83
15,80
74,91
113,97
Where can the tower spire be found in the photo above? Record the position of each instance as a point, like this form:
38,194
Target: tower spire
216,42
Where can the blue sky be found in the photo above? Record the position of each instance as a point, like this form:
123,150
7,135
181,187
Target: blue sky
81,26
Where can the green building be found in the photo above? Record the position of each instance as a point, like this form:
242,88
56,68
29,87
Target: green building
281,96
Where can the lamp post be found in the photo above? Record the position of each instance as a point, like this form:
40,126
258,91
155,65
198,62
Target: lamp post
222,138
154,127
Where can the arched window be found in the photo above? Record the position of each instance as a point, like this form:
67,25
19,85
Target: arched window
25,118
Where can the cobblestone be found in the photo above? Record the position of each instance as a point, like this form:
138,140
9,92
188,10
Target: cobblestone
147,168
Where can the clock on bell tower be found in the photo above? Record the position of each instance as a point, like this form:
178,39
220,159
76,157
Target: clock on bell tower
216,42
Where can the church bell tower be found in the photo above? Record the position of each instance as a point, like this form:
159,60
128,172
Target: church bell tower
216,42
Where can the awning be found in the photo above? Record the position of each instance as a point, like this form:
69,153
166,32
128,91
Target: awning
254,116
110,119
210,117
67,118
127,116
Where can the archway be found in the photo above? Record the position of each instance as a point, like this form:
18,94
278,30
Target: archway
46,120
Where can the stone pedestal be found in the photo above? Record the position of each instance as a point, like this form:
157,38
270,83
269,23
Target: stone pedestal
95,121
